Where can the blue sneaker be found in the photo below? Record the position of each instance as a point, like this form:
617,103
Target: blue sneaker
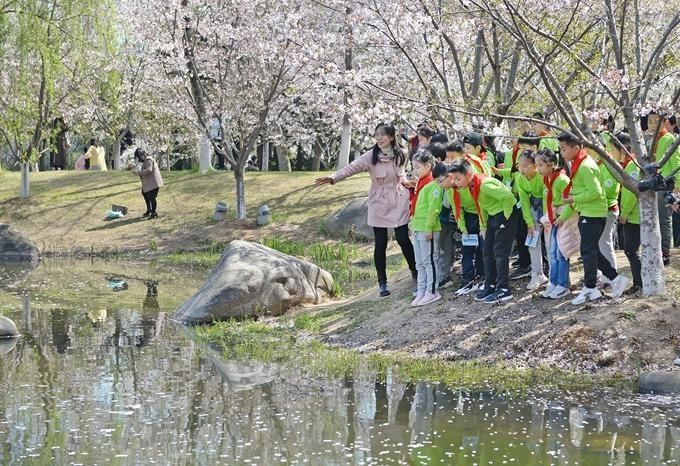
484,292
501,295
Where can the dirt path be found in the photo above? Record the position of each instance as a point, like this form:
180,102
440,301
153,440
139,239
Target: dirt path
611,336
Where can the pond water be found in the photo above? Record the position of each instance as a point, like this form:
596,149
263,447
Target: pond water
101,375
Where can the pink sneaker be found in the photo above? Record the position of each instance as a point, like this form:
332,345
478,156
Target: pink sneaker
430,298
418,298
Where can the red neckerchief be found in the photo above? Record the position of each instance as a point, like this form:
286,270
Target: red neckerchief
574,169
515,151
475,162
420,185
662,133
629,158
475,187
548,181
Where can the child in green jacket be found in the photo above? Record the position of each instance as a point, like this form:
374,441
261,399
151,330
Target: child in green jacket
530,189
494,203
629,215
426,204
586,194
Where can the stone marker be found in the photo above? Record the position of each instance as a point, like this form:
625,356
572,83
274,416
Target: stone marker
14,247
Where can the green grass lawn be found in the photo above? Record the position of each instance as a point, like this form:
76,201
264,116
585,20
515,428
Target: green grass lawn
65,216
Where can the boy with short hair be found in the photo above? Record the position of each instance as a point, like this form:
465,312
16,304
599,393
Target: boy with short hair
494,204
474,145
587,196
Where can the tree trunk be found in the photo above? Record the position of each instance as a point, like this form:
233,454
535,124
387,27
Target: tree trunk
24,180
650,236
345,142
115,152
204,154
265,156
282,157
240,193
316,161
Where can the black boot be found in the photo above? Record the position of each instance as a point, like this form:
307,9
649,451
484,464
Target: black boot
384,291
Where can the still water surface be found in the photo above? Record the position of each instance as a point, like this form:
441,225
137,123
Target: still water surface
102,376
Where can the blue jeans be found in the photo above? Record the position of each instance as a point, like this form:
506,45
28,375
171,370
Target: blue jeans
559,265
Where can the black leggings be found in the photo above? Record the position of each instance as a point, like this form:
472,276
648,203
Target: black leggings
150,199
379,253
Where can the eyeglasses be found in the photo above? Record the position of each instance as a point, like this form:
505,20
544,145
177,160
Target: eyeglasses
440,181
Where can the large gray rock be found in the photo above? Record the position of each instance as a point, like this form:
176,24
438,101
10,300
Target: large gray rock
659,382
14,247
8,329
351,220
251,278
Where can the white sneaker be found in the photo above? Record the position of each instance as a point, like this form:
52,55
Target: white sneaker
559,292
602,280
418,298
586,294
619,285
536,281
548,290
429,298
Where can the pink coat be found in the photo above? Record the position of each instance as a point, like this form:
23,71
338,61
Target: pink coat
388,199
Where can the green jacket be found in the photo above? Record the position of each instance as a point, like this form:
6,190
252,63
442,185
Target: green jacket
629,201
494,198
467,204
429,204
509,177
558,187
611,186
528,188
661,147
587,190
549,143
476,162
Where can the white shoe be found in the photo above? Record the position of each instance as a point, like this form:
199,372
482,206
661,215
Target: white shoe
416,301
548,290
429,298
559,292
619,285
536,281
602,280
585,294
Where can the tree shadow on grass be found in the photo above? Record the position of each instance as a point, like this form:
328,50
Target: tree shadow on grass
115,223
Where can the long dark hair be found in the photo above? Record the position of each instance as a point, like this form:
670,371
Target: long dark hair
391,131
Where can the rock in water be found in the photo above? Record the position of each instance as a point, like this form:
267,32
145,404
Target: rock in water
351,220
16,248
250,279
660,382
8,329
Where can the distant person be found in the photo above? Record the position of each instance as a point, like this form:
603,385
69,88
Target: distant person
152,181
96,155
388,201
60,144
82,163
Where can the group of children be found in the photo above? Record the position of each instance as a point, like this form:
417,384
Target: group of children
549,196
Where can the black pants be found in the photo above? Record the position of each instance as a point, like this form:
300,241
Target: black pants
497,248
473,256
379,253
524,258
631,246
150,199
591,229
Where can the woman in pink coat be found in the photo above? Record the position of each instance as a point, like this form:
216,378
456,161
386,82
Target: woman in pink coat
388,198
